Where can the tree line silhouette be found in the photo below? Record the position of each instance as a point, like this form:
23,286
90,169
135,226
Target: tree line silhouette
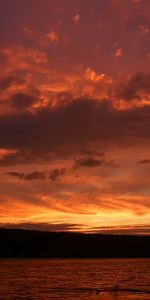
16,243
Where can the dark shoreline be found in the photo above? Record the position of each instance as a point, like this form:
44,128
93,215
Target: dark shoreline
18,243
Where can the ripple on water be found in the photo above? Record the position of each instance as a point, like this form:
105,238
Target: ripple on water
75,279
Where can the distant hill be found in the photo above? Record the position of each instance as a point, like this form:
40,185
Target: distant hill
36,244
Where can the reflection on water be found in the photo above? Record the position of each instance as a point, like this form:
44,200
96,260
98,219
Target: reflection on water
100,279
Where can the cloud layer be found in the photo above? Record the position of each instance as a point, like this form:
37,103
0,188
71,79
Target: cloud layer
68,127
75,114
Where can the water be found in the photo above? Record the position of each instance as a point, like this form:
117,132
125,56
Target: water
109,279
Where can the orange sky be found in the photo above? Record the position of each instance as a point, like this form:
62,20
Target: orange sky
75,115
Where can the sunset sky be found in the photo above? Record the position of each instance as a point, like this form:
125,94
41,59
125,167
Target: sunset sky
75,115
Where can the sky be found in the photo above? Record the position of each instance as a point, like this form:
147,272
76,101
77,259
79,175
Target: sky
75,115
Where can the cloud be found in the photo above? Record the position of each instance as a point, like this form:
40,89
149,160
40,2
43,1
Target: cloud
34,176
14,158
118,52
76,18
29,176
137,229
67,107
141,229
16,174
18,58
88,162
53,36
38,175
22,101
7,82
143,30
144,161
56,173
42,74
42,226
137,85
90,74
63,128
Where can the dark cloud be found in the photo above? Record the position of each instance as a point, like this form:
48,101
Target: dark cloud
22,101
42,226
7,82
30,176
34,176
20,157
53,175
64,128
56,173
16,174
88,162
144,161
139,83
125,229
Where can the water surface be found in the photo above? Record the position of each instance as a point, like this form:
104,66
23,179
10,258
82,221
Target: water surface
104,279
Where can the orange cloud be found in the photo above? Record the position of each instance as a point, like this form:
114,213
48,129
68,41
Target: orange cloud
118,52
74,113
143,30
76,18
89,200
53,36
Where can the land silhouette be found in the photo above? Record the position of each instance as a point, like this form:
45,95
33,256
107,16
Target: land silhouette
16,243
